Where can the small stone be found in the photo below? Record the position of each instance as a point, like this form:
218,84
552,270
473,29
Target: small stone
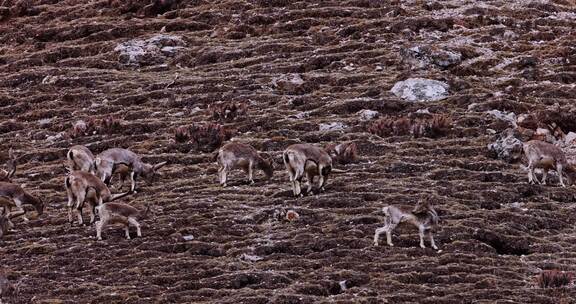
368,114
250,258
333,126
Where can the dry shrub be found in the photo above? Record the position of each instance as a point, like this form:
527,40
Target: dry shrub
227,111
182,134
107,125
343,153
433,126
554,279
205,137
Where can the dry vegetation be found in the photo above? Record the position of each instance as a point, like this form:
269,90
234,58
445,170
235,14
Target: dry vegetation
297,65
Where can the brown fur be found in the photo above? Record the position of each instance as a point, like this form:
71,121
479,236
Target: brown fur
547,156
83,187
301,159
13,196
80,158
237,155
109,160
5,224
343,153
423,216
6,175
124,214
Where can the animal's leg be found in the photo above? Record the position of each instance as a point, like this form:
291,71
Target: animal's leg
297,184
378,232
79,204
292,176
79,214
70,207
127,231
322,179
92,213
133,181
421,234
530,173
220,170
544,177
310,178
432,243
99,226
250,172
560,169
134,222
389,234
225,176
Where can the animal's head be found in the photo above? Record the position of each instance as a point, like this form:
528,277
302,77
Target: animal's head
150,172
326,169
267,164
103,169
6,175
423,205
343,153
39,206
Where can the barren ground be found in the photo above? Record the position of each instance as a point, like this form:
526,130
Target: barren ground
498,231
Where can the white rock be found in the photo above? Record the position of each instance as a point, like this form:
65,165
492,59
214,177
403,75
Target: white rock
507,147
368,114
421,89
333,126
250,258
509,117
570,137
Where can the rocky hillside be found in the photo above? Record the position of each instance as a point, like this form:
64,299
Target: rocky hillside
157,76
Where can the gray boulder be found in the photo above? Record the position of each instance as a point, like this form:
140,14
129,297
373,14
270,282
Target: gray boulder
155,50
421,89
507,147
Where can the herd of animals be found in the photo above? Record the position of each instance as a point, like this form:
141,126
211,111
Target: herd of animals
89,178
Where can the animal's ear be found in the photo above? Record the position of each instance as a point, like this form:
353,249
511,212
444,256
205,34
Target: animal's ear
97,161
159,165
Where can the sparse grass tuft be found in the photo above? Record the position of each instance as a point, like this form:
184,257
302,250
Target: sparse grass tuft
554,279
